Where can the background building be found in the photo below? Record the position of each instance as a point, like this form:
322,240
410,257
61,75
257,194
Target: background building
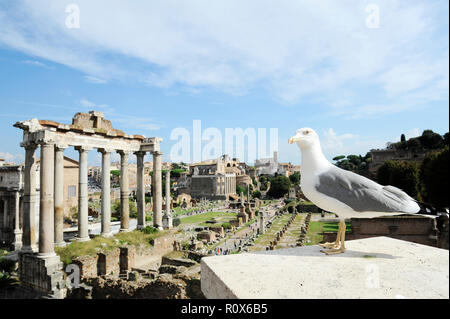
267,166
11,196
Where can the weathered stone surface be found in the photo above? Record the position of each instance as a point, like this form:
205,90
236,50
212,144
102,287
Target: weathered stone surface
178,262
87,265
42,275
108,262
377,267
165,287
127,258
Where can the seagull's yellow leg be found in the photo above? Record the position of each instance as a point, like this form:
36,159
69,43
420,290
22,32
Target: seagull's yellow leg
341,249
336,243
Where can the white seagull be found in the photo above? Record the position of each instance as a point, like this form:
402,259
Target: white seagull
343,192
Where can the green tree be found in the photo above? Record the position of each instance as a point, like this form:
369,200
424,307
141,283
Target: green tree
115,172
414,144
295,178
403,138
338,158
431,140
401,174
256,194
446,139
434,177
240,189
279,186
176,173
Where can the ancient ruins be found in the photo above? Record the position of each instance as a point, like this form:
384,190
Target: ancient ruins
39,266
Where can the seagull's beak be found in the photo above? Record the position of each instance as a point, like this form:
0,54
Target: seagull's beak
293,139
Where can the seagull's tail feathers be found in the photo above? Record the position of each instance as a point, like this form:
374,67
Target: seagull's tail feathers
406,203
412,206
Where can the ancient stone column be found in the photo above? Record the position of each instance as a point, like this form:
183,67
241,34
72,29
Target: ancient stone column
106,192
83,212
140,190
261,223
46,211
29,199
17,230
157,190
167,219
5,218
124,192
59,195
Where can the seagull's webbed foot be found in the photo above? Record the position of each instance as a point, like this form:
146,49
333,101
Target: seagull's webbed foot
337,247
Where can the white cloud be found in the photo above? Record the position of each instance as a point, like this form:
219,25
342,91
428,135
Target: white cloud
142,123
413,133
125,120
334,144
94,80
89,104
296,49
11,158
35,63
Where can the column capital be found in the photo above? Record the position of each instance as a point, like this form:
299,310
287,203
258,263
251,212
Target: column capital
83,149
29,145
105,150
60,147
140,153
46,142
123,152
156,153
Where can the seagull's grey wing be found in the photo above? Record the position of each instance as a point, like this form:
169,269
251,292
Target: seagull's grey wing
362,194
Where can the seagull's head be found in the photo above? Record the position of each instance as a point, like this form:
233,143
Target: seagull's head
305,138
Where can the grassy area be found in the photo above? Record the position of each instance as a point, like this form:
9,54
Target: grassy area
97,244
3,252
221,217
316,229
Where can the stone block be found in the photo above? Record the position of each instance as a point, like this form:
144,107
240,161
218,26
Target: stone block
42,275
372,268
87,265
108,262
127,258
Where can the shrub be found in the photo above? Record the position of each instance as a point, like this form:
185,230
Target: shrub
226,226
176,222
7,265
256,194
434,177
150,230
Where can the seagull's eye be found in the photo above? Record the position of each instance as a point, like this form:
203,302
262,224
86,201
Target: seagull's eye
306,132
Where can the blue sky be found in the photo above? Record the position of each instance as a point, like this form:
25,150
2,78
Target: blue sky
152,66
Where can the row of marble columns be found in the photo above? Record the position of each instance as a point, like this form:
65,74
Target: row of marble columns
51,214
230,185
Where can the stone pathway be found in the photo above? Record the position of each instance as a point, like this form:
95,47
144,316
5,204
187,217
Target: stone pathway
292,235
264,240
